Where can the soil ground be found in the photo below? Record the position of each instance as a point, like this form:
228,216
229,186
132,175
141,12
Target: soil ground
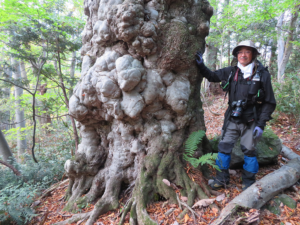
165,213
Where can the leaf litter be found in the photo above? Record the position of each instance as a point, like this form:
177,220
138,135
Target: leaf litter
165,213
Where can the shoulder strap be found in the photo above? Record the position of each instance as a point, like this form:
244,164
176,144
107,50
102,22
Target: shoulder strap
229,80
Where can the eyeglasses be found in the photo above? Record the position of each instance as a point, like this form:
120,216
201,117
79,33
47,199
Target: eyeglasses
244,52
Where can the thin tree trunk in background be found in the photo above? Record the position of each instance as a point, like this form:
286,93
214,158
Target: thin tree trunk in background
280,44
23,71
5,151
265,47
280,41
221,54
20,119
66,98
72,73
288,45
229,52
211,62
5,115
272,58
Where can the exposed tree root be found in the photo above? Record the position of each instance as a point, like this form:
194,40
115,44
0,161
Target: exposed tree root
75,218
263,190
126,209
106,203
78,188
149,182
153,168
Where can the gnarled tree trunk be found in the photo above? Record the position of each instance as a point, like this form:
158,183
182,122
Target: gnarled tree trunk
137,101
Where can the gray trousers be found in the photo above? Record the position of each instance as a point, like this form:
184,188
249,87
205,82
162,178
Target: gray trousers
233,132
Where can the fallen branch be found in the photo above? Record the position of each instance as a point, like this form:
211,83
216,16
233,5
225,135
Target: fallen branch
53,187
263,190
189,208
288,153
45,218
217,114
17,172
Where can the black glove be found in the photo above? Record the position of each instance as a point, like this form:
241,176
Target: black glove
199,58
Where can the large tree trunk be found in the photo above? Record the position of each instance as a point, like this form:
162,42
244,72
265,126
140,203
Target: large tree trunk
137,101
20,119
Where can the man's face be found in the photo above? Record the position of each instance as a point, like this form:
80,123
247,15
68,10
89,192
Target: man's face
244,55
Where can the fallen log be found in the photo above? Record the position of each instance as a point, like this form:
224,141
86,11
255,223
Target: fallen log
263,190
288,153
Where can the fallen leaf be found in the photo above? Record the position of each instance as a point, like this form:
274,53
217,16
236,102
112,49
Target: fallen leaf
166,182
186,218
220,197
183,198
203,203
254,216
215,211
252,210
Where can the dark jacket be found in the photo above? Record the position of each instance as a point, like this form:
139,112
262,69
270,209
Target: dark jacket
239,91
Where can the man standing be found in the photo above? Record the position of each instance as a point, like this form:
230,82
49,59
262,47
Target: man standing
251,103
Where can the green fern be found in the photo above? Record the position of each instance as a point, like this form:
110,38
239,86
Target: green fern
192,142
191,146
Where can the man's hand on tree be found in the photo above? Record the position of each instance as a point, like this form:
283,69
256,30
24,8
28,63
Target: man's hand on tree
257,132
199,58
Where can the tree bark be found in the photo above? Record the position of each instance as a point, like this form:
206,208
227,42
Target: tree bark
5,118
288,44
137,101
72,73
211,63
15,171
20,119
272,58
280,44
5,151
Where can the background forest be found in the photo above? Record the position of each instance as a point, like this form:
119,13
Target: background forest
40,63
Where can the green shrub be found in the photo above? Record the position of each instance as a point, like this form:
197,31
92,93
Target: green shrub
17,193
287,96
15,203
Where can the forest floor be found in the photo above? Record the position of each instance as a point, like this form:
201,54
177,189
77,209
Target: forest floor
49,208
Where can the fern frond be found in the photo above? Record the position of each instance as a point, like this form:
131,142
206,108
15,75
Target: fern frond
192,142
191,146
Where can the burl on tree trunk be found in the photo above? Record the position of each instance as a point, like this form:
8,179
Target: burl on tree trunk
137,101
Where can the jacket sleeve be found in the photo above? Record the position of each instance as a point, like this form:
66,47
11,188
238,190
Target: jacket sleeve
269,104
216,76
